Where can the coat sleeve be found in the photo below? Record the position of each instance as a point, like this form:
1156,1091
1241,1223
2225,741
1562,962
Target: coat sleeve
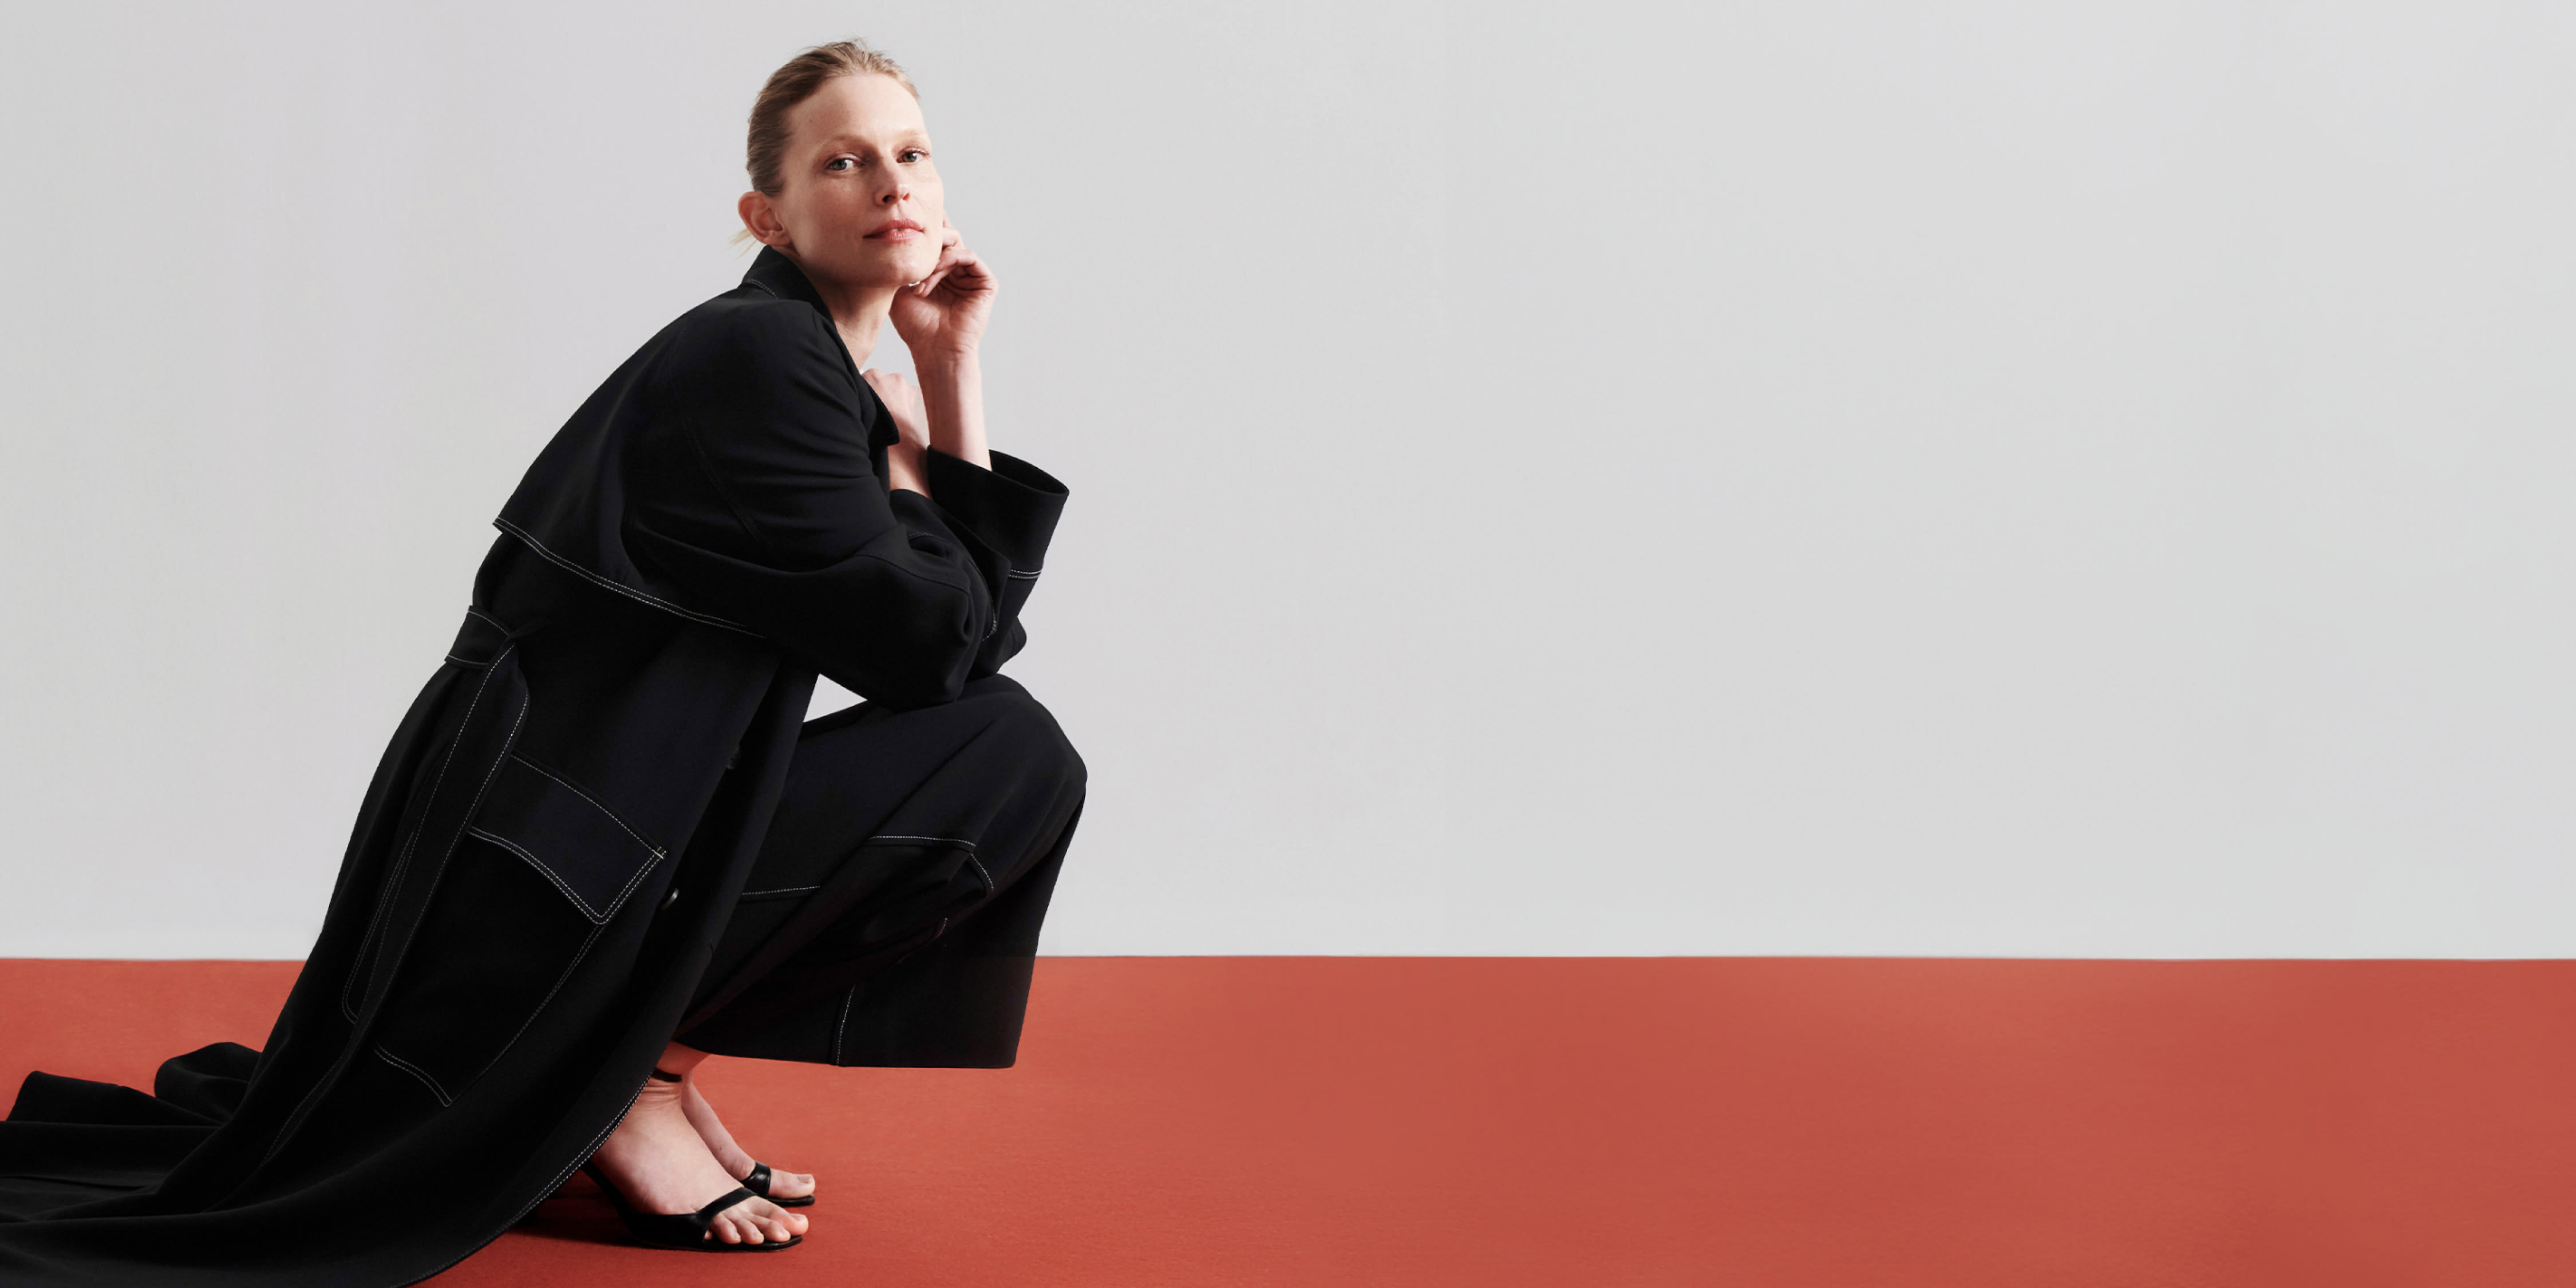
1011,508
752,491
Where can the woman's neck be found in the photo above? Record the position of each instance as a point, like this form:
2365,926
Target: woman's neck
858,312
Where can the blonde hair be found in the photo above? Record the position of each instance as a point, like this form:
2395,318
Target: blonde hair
795,81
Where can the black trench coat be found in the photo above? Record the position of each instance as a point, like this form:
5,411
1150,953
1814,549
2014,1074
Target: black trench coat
617,712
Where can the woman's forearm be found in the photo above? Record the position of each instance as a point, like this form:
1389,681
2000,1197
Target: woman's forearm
952,394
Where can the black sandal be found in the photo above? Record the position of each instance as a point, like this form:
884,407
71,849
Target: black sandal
758,1183
683,1229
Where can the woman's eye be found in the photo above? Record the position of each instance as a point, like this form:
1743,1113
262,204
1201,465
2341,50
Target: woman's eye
839,163
913,154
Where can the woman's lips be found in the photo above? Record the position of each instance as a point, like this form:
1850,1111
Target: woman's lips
899,230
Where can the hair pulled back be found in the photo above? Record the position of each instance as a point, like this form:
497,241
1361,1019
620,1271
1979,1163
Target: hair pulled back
797,81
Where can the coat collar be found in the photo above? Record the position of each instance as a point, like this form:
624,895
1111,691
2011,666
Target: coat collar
773,272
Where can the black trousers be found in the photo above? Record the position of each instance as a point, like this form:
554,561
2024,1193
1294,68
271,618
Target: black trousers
892,915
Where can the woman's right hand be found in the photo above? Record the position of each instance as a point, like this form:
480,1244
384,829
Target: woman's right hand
905,467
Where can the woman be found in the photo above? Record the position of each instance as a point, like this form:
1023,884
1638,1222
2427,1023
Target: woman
603,843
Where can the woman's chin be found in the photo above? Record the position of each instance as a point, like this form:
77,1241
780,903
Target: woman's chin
901,264
871,266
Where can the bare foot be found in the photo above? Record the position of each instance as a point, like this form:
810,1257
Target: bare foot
657,1161
736,1162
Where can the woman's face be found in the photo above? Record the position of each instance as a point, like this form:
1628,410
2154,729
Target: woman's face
858,200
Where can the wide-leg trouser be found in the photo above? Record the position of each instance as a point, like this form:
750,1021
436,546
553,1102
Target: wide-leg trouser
892,915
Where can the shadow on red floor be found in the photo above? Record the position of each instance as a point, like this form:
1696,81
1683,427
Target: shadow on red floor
1326,1121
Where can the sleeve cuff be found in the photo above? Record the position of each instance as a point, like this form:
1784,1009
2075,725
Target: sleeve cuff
1012,507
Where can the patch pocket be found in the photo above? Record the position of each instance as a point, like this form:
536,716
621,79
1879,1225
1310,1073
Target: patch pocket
578,844
900,886
540,871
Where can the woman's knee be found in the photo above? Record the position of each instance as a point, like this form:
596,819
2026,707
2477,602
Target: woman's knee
1033,733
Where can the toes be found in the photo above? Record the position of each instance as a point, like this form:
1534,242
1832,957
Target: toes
779,1224
761,1223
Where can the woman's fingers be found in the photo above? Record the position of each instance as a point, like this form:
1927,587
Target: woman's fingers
931,278
960,262
952,249
950,241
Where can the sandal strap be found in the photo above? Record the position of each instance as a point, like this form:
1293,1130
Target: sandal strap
707,1215
660,1076
758,1181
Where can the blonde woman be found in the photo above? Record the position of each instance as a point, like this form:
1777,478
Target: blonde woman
604,843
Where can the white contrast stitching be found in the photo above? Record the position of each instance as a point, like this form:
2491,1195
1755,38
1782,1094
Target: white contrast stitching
560,1177
522,1030
631,882
463,662
594,917
754,894
472,611
402,862
620,587
475,806
989,886
842,1029
471,809
1030,573
413,841
594,802
444,1100
303,1111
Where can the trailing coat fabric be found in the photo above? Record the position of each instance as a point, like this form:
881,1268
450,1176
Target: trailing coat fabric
555,839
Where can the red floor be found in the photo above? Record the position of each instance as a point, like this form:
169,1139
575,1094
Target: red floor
1327,1121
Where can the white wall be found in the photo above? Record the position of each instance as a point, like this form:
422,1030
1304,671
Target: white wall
1796,478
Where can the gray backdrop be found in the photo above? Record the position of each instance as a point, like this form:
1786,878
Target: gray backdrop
1742,478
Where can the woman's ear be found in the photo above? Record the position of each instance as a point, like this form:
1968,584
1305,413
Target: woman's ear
760,219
